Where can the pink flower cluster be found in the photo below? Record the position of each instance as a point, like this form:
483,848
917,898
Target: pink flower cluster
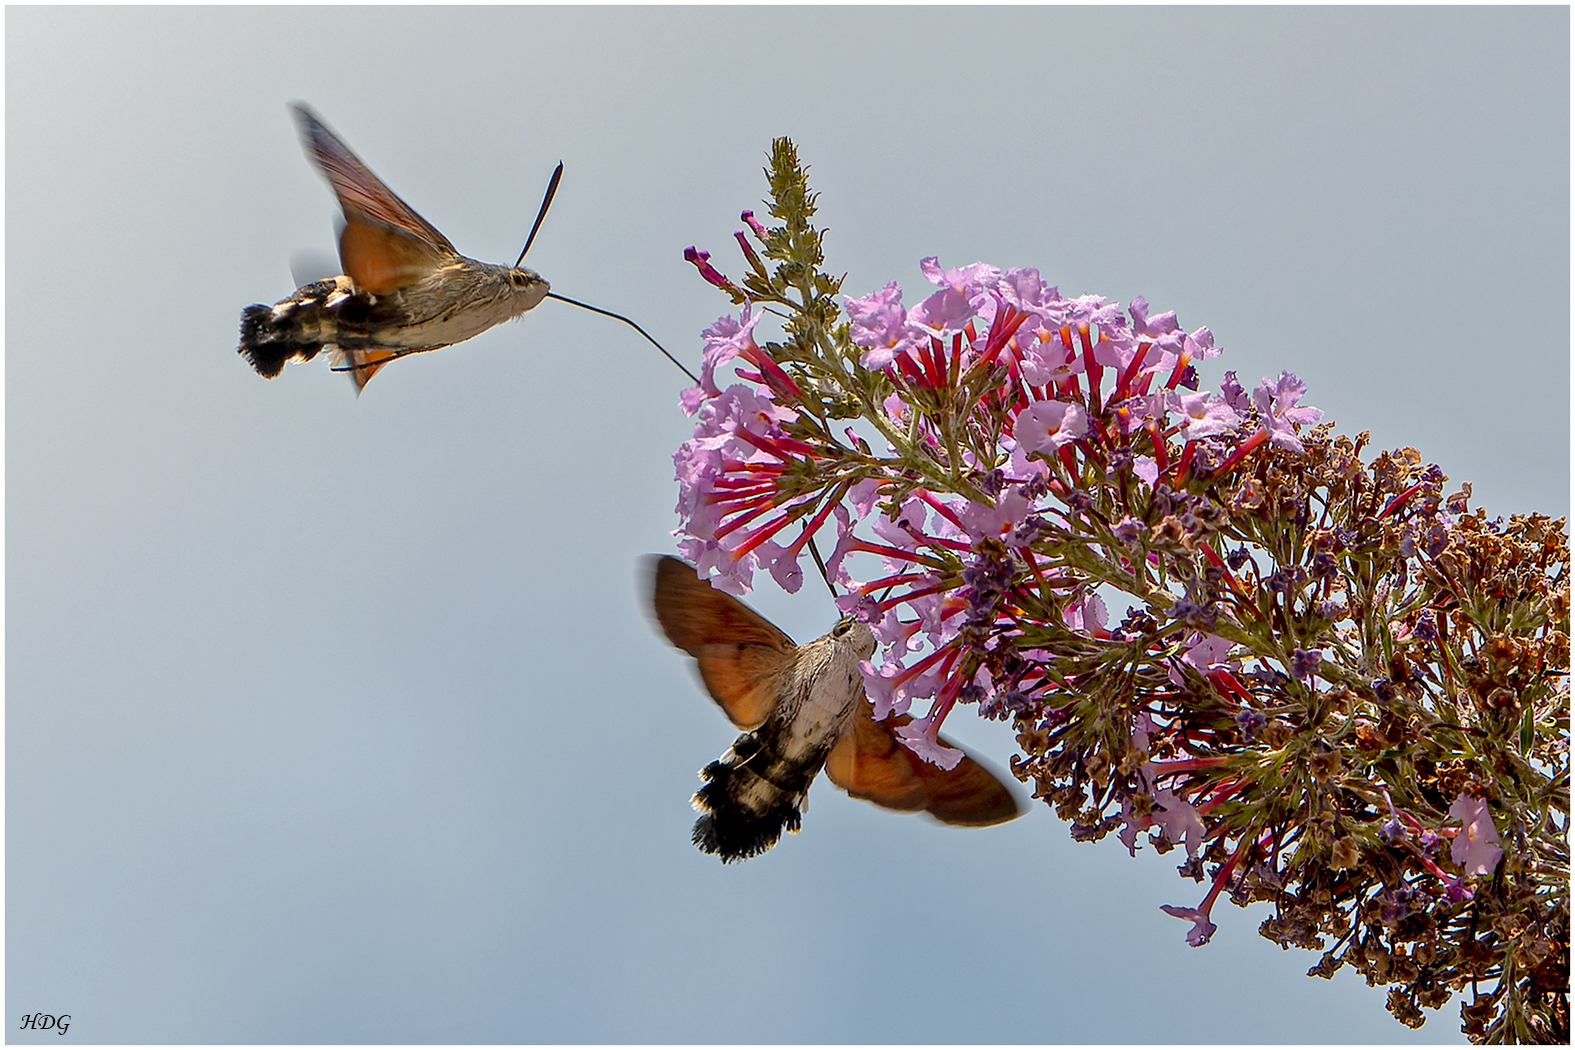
744,505
1333,684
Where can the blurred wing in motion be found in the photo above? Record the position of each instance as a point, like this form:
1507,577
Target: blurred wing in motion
870,763
309,266
385,245
740,652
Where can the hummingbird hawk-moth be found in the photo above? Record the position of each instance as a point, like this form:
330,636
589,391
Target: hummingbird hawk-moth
802,708
404,290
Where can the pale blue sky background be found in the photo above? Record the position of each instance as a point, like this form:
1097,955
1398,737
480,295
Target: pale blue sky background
335,720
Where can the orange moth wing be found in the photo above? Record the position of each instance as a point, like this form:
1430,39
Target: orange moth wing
870,763
739,651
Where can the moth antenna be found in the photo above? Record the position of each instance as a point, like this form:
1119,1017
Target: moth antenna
631,324
814,552
546,202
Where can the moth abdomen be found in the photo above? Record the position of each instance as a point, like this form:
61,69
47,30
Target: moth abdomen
294,329
743,813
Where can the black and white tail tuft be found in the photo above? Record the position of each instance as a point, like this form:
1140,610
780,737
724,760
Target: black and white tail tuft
744,814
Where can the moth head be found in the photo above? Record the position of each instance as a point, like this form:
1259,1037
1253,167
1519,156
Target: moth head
529,288
853,634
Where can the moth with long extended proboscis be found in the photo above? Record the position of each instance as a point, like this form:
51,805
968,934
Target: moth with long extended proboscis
404,290
803,709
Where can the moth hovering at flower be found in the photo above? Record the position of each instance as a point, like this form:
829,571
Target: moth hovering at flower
404,290
803,708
